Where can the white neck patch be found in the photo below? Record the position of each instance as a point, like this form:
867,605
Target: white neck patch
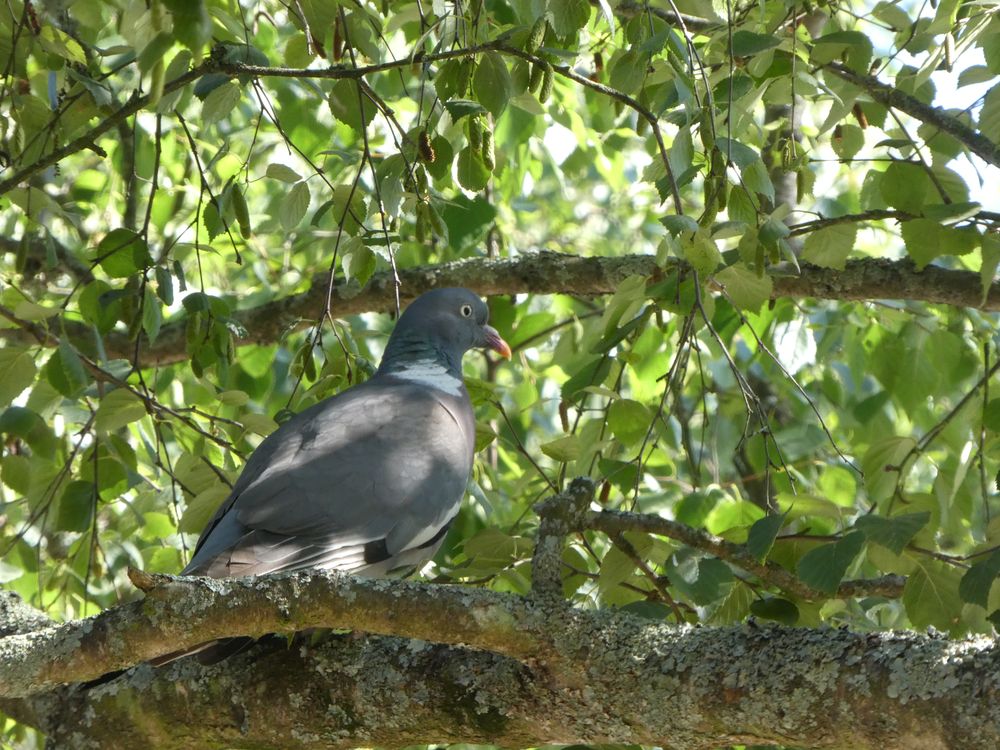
430,373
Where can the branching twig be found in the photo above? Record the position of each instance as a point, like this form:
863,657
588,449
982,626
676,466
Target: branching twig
559,515
895,97
614,523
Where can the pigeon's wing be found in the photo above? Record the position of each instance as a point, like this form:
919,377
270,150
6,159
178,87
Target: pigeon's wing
366,481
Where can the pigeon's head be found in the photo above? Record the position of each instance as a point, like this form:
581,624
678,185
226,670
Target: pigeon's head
447,322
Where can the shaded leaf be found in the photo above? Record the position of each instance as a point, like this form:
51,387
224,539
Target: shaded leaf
745,287
892,533
294,206
830,246
492,84
762,534
117,409
978,580
824,567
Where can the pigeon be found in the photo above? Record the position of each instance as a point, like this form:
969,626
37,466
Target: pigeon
369,480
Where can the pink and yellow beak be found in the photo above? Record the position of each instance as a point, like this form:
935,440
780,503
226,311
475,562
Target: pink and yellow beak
496,343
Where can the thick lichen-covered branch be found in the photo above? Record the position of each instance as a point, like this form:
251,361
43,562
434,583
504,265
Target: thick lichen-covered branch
622,680
538,273
179,613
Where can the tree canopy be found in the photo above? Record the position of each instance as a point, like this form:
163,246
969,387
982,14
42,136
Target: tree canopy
744,253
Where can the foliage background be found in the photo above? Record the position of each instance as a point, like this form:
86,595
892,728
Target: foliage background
318,147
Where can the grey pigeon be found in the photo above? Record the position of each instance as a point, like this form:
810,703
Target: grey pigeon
367,481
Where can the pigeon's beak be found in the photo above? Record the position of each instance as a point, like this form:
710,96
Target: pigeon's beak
494,342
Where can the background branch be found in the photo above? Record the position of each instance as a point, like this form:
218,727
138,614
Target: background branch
614,523
892,96
540,273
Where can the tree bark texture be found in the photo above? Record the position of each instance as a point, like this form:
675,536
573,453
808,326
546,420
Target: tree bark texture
509,670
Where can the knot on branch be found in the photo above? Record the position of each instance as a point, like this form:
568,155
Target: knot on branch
560,515
146,582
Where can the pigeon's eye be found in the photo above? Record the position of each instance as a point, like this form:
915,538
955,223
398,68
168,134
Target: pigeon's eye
466,311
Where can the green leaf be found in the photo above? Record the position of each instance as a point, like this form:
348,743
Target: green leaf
676,224
152,316
991,415
905,186
629,71
762,534
881,465
279,171
824,567
347,209
491,83
702,253
830,246
629,420
117,409
192,24
745,287
776,609
440,168
950,213
989,115
76,506
459,108
491,550
975,585
122,253
352,109
473,174
747,43
28,310
616,568
931,596
17,372
155,51
359,264
741,206
200,508
164,285
923,239
28,425
568,16
892,533
563,449
855,45
713,582
58,43
294,206
622,474
297,54
65,371
220,102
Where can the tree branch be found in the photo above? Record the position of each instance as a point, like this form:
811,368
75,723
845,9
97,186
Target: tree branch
613,523
537,273
559,516
700,687
182,612
893,97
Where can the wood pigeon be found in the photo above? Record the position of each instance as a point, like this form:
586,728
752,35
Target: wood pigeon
367,481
